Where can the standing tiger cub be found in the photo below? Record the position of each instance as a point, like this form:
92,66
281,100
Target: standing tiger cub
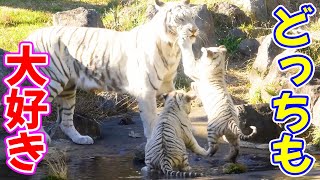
142,62
170,137
217,102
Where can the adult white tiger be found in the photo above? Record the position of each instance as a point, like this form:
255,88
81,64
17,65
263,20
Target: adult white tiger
142,62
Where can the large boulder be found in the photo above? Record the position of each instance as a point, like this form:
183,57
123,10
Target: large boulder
80,17
230,15
249,47
267,80
260,68
260,116
205,23
261,10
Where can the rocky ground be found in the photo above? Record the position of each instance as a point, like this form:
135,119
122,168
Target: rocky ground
115,155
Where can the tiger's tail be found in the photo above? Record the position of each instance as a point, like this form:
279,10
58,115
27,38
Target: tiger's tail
167,170
233,126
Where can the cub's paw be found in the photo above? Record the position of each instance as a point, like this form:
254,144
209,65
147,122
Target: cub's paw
83,140
186,168
205,152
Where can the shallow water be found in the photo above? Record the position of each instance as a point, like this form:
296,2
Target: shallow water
110,167
112,158
123,167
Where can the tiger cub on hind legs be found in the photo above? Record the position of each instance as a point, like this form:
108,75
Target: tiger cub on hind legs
171,136
222,115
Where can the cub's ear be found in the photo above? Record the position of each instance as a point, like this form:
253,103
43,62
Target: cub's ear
223,49
210,54
186,2
190,96
159,4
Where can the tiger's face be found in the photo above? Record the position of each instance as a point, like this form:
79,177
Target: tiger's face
179,20
212,59
181,98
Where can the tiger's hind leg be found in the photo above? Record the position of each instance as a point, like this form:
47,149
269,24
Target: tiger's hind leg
66,101
55,87
234,147
213,143
185,166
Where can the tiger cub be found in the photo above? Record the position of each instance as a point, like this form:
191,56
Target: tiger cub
217,102
171,135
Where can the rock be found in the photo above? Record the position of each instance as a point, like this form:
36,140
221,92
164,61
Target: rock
79,17
260,116
139,153
205,23
85,126
249,47
2,52
237,33
126,120
261,10
3,72
266,54
316,113
231,14
267,80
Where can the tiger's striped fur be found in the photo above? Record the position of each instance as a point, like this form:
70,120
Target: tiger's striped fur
222,115
142,62
170,137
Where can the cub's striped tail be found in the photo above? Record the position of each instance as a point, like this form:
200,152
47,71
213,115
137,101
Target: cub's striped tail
167,170
236,130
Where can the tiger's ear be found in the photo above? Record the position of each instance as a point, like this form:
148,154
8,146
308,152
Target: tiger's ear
159,4
223,49
186,2
210,54
190,96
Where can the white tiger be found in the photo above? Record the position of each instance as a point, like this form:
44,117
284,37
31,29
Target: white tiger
222,115
171,135
142,62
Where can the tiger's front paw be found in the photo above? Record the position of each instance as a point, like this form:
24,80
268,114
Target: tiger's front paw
185,42
203,152
83,140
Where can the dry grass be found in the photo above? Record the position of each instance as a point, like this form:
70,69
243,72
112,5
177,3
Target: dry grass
57,164
98,105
